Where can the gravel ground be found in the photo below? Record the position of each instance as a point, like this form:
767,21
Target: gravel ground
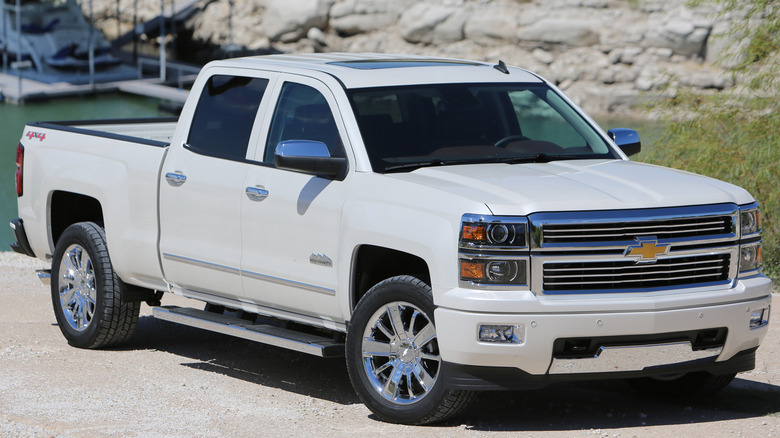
176,381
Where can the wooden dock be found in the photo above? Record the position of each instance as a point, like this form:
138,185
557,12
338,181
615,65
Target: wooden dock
34,90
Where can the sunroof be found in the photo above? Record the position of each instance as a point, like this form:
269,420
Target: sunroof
376,64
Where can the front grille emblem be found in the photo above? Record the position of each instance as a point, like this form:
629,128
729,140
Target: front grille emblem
646,249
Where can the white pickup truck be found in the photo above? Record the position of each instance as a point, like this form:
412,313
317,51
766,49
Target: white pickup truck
447,226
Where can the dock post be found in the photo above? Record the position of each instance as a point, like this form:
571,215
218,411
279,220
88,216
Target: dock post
19,48
162,40
91,43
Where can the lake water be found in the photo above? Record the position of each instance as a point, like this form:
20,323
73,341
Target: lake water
13,119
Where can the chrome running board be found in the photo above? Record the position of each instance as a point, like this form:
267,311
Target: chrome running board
241,328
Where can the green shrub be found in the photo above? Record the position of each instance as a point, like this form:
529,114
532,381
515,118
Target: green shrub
735,135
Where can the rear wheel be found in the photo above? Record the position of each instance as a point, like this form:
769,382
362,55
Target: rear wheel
393,355
86,293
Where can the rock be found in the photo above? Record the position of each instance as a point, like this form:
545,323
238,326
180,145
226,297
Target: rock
418,24
289,20
569,32
543,56
353,17
684,35
491,25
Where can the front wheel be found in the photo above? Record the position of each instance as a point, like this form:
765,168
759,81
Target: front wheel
393,355
86,292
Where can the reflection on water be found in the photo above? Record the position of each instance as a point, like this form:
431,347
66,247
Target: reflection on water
14,117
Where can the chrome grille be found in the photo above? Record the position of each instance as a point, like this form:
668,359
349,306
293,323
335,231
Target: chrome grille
689,271
678,228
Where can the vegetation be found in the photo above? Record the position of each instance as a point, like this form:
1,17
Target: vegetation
735,135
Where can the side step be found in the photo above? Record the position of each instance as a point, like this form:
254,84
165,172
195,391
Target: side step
264,333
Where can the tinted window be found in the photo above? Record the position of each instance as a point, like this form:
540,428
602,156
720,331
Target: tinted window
408,127
303,114
226,112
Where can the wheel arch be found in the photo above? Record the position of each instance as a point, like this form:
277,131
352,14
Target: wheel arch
67,208
372,264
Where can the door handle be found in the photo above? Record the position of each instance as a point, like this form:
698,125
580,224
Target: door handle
176,179
257,193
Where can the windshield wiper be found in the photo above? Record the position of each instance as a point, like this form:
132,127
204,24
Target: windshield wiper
535,158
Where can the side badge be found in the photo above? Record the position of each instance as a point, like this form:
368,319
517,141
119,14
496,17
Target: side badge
320,259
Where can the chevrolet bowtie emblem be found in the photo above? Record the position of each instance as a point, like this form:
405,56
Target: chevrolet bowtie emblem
647,249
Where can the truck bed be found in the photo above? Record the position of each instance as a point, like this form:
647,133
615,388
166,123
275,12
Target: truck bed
153,131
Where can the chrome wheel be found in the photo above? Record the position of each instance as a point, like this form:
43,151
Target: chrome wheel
400,353
76,286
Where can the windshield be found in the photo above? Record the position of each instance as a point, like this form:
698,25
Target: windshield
404,128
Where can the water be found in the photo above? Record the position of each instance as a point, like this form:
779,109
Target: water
14,117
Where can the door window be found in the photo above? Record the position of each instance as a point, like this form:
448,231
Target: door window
225,115
303,114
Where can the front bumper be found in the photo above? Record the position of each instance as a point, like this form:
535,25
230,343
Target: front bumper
703,338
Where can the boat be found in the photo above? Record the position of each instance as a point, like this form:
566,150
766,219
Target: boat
55,42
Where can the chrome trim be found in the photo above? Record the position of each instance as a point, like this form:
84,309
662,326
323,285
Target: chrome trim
251,307
631,224
633,358
175,179
201,264
250,274
257,193
285,282
538,262
44,275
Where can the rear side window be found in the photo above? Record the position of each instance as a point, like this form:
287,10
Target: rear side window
225,114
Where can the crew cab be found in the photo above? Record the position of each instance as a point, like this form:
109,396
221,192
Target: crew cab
447,226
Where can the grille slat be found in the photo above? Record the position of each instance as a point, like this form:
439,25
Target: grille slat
616,231
689,271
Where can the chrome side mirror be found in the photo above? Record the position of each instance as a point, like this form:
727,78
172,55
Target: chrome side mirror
309,156
626,139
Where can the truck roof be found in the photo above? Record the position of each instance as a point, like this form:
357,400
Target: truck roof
376,70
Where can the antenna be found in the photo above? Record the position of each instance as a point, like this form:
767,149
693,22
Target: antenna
501,66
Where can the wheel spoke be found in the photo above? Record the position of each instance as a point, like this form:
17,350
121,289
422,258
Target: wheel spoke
394,311
376,348
388,364
393,384
426,335
67,295
385,330
422,376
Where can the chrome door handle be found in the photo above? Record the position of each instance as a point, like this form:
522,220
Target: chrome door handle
257,193
176,179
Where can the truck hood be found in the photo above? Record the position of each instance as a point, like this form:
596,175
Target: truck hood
576,185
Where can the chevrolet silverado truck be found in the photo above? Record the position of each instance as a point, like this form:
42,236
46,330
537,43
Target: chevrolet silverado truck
447,226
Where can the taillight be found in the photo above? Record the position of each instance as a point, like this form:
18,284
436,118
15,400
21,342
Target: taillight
19,167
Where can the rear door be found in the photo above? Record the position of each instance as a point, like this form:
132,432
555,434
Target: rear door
202,186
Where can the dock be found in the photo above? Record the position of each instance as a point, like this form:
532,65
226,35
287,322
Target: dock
31,90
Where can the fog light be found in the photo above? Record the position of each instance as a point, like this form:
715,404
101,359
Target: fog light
759,318
506,334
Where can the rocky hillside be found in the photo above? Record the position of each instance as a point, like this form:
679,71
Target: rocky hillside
606,54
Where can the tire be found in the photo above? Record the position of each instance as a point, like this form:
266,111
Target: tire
402,380
86,293
690,385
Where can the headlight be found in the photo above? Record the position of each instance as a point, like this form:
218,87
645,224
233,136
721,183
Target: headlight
490,232
494,250
749,258
749,221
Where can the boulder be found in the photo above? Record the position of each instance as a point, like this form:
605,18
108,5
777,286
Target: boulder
289,20
491,25
429,23
568,32
351,17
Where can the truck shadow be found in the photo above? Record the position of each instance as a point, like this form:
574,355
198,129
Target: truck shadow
559,407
